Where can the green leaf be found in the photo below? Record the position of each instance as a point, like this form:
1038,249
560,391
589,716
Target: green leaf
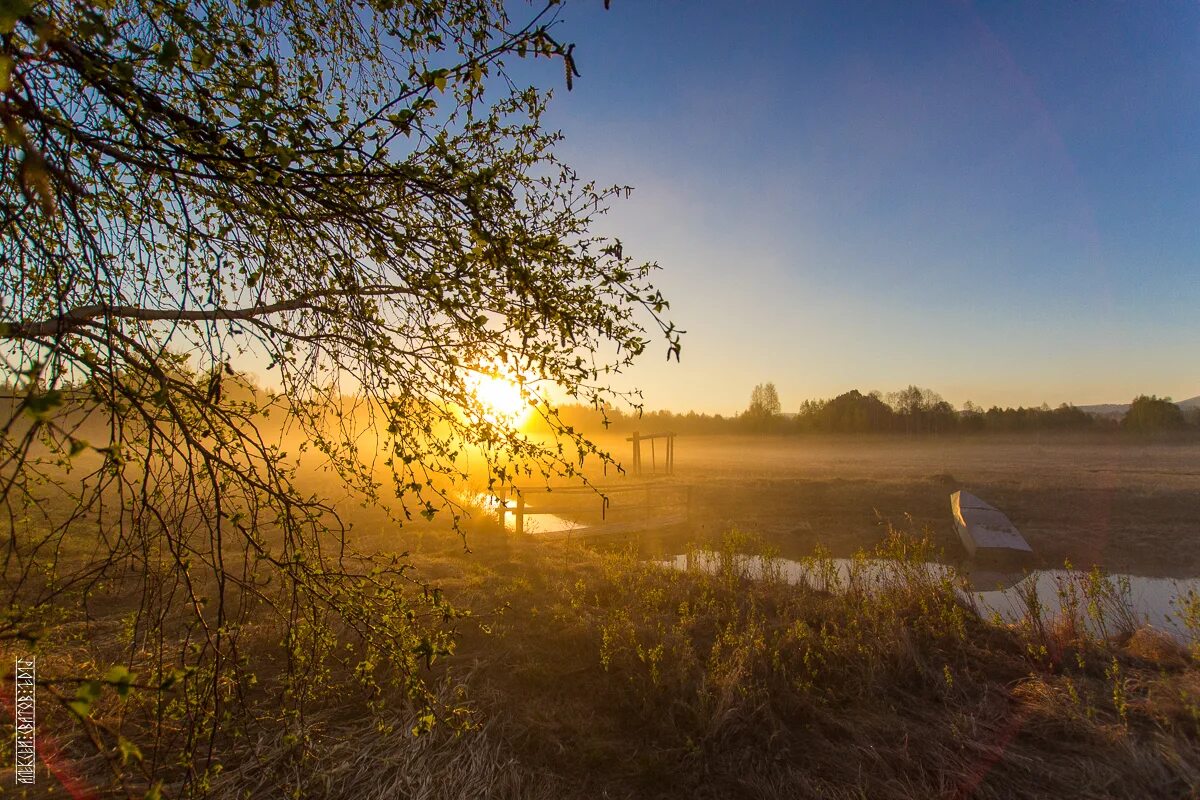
174,677
79,708
119,678
85,697
403,119
39,406
169,53
11,11
202,59
424,724
88,692
128,750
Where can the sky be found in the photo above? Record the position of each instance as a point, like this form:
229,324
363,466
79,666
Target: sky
999,201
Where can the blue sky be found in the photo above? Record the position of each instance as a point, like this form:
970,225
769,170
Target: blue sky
998,201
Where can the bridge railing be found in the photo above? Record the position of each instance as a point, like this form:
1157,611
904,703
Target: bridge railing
596,510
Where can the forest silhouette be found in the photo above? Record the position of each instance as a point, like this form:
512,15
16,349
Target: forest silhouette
910,411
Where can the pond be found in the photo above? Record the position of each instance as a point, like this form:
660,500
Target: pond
1171,605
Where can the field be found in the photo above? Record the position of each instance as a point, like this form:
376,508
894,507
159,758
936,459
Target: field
606,677
1127,505
591,671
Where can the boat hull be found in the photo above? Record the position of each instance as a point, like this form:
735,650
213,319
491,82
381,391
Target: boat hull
985,531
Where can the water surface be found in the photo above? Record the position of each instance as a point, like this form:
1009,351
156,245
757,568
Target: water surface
1158,602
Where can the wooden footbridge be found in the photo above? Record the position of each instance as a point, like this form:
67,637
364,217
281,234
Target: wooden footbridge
569,512
647,500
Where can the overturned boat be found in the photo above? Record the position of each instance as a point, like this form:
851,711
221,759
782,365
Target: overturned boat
984,529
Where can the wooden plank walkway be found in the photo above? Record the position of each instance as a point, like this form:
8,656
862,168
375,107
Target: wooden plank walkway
610,529
573,510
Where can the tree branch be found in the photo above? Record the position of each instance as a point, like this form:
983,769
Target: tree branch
88,315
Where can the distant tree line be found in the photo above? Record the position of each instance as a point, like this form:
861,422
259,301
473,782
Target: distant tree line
916,410
913,411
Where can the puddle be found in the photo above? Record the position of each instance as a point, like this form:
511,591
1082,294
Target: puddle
1153,601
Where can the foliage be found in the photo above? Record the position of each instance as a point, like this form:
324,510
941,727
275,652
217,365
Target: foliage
921,410
1043,418
764,400
1150,413
358,199
913,411
852,412
870,676
764,407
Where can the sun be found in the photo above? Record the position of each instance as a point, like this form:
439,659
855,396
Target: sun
499,399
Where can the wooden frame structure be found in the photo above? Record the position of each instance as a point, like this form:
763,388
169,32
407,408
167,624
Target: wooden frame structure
637,466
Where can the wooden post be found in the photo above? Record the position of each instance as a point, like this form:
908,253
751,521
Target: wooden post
668,453
520,514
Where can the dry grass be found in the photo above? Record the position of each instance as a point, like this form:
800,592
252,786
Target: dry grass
627,680
592,674
379,759
1129,505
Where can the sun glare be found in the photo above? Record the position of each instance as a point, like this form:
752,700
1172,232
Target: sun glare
500,399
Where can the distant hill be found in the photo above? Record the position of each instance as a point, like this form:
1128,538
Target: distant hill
1119,409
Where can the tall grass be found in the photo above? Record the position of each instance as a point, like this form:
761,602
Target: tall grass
590,674
879,678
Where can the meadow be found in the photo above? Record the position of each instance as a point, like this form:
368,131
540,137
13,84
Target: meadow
595,670
1127,504
599,673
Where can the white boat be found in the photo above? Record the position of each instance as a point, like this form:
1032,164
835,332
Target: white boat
984,529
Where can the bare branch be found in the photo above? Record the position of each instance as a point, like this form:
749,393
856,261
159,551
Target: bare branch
105,314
